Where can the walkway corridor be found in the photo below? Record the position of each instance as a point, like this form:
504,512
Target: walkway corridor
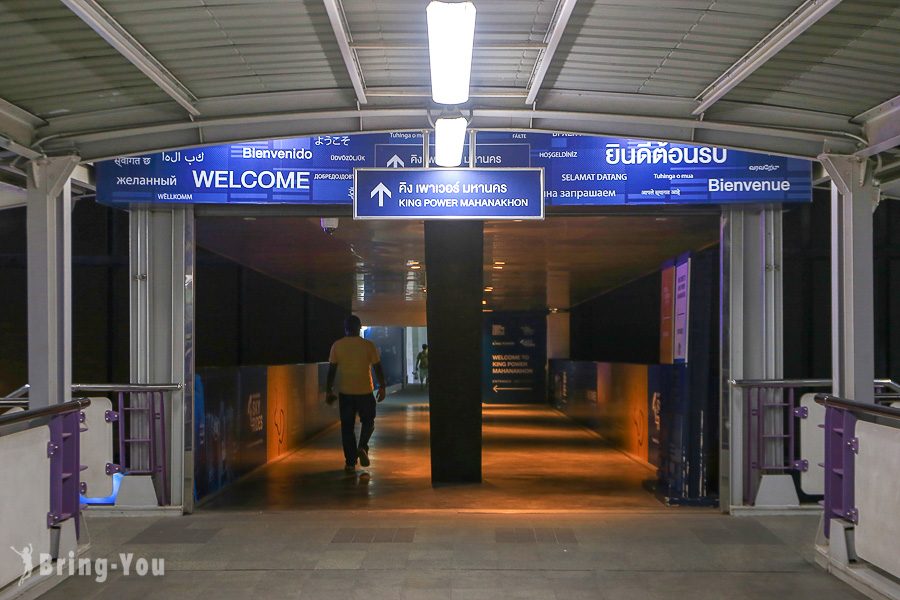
534,459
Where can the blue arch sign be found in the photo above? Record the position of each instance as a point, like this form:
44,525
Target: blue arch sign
578,170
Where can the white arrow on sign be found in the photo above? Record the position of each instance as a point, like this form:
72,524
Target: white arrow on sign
502,389
381,190
396,162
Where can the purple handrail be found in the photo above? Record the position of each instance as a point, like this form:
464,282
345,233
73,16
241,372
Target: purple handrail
150,400
841,448
766,404
64,451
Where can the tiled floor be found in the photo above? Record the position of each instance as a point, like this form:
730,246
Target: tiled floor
608,554
534,458
559,517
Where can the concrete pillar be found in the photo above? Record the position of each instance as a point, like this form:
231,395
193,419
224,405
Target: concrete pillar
49,258
162,329
454,262
752,327
558,323
558,335
853,200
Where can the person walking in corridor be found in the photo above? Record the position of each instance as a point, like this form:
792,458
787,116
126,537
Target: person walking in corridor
422,366
351,362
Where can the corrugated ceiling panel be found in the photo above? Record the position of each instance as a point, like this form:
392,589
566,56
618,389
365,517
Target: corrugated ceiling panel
663,48
53,64
221,48
490,68
846,63
393,23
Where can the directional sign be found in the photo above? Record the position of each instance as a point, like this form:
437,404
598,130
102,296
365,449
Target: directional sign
380,190
396,193
514,353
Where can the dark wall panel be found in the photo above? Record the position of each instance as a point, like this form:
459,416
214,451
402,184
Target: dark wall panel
273,325
91,329
217,312
807,289
13,301
13,329
619,326
100,327
324,325
243,317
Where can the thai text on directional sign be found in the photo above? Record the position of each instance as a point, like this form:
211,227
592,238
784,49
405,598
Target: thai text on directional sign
449,194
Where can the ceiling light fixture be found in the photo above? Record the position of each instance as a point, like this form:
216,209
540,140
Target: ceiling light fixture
451,35
449,140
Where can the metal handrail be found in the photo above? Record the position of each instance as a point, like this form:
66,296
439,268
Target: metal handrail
875,410
23,403
102,388
99,388
45,411
888,384
780,383
19,393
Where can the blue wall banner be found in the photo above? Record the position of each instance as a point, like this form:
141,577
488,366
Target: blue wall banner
682,308
578,170
449,194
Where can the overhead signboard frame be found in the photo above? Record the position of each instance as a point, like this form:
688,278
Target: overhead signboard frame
580,170
449,194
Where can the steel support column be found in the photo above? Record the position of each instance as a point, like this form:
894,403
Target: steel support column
162,319
853,200
751,327
49,257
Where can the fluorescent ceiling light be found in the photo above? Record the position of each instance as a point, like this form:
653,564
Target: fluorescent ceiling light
449,141
451,34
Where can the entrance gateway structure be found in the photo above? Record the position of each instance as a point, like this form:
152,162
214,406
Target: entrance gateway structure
778,89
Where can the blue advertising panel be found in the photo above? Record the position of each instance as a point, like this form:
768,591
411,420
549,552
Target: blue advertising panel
514,358
579,170
308,170
449,194
592,170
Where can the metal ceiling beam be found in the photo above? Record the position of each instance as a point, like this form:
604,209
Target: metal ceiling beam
494,97
336,15
17,124
554,36
488,46
11,196
786,32
882,127
420,92
125,44
23,151
99,145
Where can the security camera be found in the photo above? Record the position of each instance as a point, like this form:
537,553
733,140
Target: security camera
329,226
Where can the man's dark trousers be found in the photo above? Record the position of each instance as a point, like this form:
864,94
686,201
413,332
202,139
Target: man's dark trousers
350,405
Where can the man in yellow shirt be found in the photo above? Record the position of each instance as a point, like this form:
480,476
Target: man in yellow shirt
352,359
